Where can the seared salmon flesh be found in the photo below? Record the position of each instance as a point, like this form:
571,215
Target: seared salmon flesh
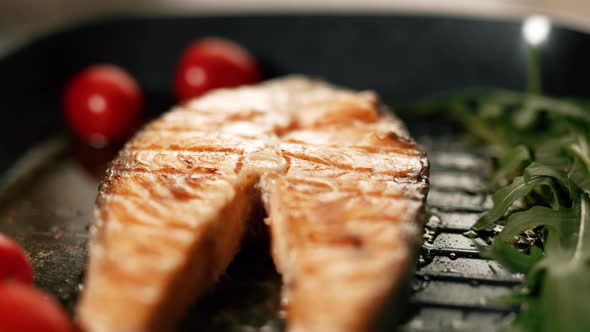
341,180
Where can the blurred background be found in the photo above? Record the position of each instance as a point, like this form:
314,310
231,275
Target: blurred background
22,18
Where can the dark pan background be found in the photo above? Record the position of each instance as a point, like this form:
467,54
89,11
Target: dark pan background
401,57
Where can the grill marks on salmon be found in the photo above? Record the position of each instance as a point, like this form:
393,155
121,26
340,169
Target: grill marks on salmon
338,260
158,240
343,185
343,223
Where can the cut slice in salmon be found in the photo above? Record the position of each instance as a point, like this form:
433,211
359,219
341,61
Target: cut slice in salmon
343,184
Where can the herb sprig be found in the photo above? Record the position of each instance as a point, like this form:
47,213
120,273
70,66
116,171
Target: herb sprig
543,187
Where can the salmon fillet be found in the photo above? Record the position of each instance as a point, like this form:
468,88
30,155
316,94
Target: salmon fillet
344,187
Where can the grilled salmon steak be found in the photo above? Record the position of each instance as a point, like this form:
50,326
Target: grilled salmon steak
342,183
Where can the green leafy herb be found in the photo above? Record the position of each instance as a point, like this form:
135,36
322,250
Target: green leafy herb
505,197
543,186
511,162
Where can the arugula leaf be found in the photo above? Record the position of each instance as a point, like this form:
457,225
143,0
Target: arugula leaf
511,162
513,259
580,171
505,197
557,169
580,175
564,284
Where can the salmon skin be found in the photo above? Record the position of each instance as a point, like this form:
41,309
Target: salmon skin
342,182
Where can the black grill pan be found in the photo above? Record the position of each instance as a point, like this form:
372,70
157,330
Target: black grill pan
49,182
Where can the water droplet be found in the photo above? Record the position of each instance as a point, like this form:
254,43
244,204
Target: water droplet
450,270
434,221
483,301
428,236
417,324
497,228
453,256
80,287
63,293
284,301
471,234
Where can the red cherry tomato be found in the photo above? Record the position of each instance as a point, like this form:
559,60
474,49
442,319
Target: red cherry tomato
26,309
103,104
211,63
14,263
